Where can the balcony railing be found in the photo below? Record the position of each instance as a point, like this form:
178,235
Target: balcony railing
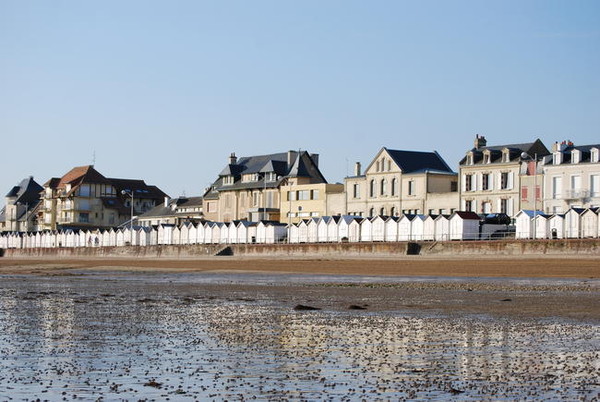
576,194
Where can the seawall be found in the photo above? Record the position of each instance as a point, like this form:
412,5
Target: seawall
579,247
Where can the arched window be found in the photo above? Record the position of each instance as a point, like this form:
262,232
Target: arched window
382,211
372,188
383,186
371,212
393,211
394,186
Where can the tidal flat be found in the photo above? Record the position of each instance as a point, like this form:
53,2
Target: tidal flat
216,336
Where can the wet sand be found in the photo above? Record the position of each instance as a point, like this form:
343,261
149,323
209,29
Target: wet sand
501,266
231,328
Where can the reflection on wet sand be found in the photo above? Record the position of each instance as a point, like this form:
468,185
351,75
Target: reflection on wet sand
86,338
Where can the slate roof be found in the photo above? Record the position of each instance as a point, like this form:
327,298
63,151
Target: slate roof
514,150
161,211
585,153
418,162
139,187
302,165
27,191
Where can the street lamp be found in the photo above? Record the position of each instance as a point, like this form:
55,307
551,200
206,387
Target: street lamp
525,155
130,193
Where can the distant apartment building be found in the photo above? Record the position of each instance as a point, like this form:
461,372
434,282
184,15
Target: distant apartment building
84,198
248,188
571,177
21,205
397,182
490,176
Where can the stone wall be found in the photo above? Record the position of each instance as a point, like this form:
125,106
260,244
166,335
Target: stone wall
587,247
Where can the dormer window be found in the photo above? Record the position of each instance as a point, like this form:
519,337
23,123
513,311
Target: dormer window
486,158
557,158
575,156
594,155
228,180
506,156
270,176
470,158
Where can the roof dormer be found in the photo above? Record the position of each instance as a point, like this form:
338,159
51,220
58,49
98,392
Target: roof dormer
487,156
505,155
575,156
595,155
557,157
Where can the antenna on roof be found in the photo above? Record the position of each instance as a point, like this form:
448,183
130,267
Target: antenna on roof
94,158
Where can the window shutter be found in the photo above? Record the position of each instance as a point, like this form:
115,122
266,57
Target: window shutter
510,180
463,183
491,181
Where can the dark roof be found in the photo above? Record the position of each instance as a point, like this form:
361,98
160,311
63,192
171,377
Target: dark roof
172,208
467,215
585,153
415,161
514,150
139,187
27,192
302,166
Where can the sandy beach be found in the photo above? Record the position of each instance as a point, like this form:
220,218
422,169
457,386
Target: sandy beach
345,329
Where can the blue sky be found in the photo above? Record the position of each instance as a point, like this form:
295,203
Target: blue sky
165,91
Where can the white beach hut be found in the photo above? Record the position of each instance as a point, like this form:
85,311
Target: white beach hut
303,231
378,228
429,228
313,230
293,233
442,228
391,229
322,226
165,233
573,223
354,229
464,225
417,227
366,230
589,223
556,225
524,224
405,227
333,227
541,225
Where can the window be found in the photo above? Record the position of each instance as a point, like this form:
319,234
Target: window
372,188
389,165
469,159
84,217
575,156
394,186
524,191
377,166
469,182
84,190
394,211
411,187
372,212
304,195
382,212
228,180
486,158
383,189
594,155
271,176
315,195
291,196
505,156
486,207
486,181
556,187
595,185
468,205
269,199
504,180
356,190
453,186
557,158
503,206
255,199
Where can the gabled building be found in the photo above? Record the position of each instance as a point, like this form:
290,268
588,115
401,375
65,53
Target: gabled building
490,179
571,177
21,204
175,211
84,198
248,188
397,182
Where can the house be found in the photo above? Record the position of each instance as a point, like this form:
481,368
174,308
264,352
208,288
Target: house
84,199
490,179
22,202
464,225
176,211
398,181
248,188
571,177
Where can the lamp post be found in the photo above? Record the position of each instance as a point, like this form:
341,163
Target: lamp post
130,193
525,155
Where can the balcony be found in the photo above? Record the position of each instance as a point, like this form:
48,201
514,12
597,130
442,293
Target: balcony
576,194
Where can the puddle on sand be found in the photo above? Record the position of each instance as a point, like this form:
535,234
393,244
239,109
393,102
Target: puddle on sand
130,340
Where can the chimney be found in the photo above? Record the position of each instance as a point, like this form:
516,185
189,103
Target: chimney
167,199
560,147
290,158
315,158
357,169
232,159
480,141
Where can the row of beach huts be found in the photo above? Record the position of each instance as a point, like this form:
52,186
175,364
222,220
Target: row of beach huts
576,223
